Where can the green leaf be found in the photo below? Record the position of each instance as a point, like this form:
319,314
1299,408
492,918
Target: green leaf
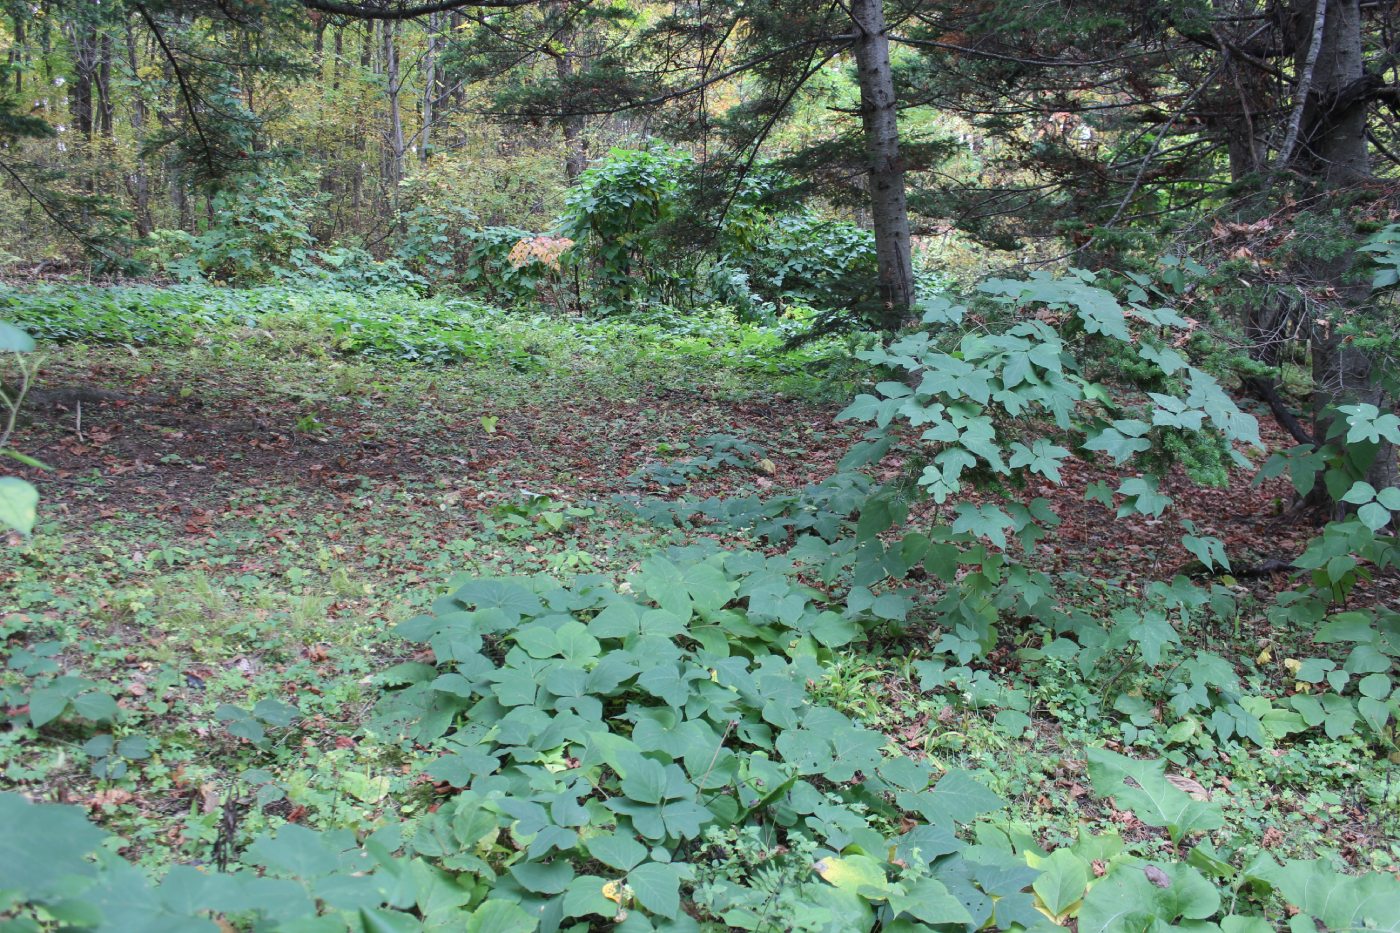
500,917
986,520
657,887
1062,881
1210,551
1338,902
1043,458
35,868
958,797
929,900
14,340
1374,515
45,705
1360,493
543,878
620,852
296,851
1117,445
19,504
1143,497
1151,797
95,705
1132,896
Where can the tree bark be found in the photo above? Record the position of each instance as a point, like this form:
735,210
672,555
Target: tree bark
394,138
888,207
138,182
1333,154
565,64
430,86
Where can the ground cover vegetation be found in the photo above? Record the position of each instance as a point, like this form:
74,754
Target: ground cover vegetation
543,466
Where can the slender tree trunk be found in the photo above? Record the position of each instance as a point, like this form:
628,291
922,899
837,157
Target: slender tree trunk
888,208
103,86
430,87
394,139
17,56
138,182
339,54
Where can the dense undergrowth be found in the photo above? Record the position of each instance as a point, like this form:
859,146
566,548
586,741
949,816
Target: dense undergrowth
588,628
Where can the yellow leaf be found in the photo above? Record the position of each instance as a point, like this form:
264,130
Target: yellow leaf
1265,656
767,466
1292,665
615,892
857,873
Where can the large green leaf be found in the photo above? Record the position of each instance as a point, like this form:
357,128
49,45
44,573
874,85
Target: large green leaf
1134,895
1064,876
500,917
19,504
14,340
1154,799
657,887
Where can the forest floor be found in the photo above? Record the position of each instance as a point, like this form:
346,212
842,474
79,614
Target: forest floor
222,526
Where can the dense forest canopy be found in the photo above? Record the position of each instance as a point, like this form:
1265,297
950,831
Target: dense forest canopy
857,465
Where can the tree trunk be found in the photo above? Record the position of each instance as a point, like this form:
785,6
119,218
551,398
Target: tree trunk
879,116
16,54
102,84
394,140
1332,153
430,87
83,39
565,64
1332,136
339,54
138,182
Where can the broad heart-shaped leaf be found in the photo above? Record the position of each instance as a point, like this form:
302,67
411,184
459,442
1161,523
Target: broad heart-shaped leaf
1339,902
510,597
19,504
1374,515
14,340
1155,800
958,797
500,917
45,705
657,887
1360,492
1064,876
859,874
929,900
664,582
43,844
709,587
1136,892
297,851
621,852
542,878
